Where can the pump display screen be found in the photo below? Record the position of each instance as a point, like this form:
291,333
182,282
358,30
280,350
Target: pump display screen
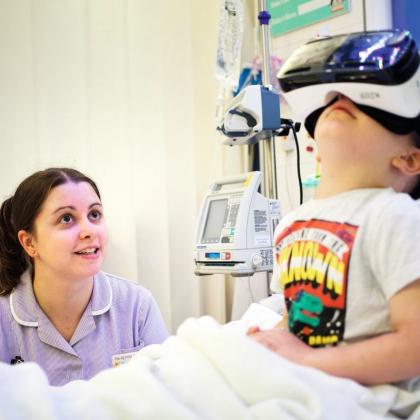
215,220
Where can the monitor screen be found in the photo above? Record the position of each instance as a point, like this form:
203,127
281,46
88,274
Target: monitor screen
215,220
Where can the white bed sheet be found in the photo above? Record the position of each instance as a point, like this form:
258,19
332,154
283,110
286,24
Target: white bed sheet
206,371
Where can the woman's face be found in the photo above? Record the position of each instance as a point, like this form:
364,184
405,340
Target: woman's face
70,235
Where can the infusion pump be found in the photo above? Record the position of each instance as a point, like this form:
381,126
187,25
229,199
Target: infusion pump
235,228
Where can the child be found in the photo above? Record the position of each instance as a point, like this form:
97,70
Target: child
348,262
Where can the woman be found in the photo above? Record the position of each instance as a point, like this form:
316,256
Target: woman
57,308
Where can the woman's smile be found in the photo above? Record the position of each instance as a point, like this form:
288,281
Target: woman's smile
90,253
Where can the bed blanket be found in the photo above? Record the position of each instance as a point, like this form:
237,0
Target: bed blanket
203,372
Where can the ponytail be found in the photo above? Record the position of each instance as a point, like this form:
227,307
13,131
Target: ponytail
13,259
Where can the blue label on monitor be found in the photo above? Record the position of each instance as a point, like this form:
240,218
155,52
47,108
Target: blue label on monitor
213,255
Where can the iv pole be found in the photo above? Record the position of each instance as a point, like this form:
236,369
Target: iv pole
267,147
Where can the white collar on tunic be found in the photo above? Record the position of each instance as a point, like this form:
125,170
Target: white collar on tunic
25,309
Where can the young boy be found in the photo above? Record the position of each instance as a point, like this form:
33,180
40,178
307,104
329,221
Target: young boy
348,262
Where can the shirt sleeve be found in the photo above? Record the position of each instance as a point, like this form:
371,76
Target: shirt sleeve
393,239
152,328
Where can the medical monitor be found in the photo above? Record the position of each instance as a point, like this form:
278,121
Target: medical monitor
235,227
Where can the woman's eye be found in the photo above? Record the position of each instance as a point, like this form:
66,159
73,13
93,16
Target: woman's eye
95,215
67,218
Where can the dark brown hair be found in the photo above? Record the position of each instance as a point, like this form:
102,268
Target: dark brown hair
19,213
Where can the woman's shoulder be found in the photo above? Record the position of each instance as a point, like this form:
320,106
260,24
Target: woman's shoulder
123,289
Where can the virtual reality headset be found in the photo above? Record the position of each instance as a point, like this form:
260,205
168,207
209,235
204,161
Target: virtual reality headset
378,70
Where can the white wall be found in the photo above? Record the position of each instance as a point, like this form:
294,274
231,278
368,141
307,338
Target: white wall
124,91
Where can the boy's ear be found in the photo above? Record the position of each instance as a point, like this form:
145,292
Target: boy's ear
408,163
26,240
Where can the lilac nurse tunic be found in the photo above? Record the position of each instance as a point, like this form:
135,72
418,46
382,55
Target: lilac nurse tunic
120,319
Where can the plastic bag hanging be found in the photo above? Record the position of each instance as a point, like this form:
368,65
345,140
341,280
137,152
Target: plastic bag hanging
229,45
229,41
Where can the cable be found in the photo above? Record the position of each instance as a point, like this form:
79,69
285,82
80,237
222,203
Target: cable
298,164
286,177
286,125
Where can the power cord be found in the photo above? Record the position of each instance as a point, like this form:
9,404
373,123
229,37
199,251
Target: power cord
298,162
286,125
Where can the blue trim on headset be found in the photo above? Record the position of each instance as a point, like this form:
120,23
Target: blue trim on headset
378,57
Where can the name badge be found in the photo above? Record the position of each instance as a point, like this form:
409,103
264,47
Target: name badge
121,359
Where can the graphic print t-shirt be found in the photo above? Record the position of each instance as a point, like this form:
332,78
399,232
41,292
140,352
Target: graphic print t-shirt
313,258
339,261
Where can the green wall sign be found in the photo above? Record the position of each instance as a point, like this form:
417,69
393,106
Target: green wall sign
288,15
